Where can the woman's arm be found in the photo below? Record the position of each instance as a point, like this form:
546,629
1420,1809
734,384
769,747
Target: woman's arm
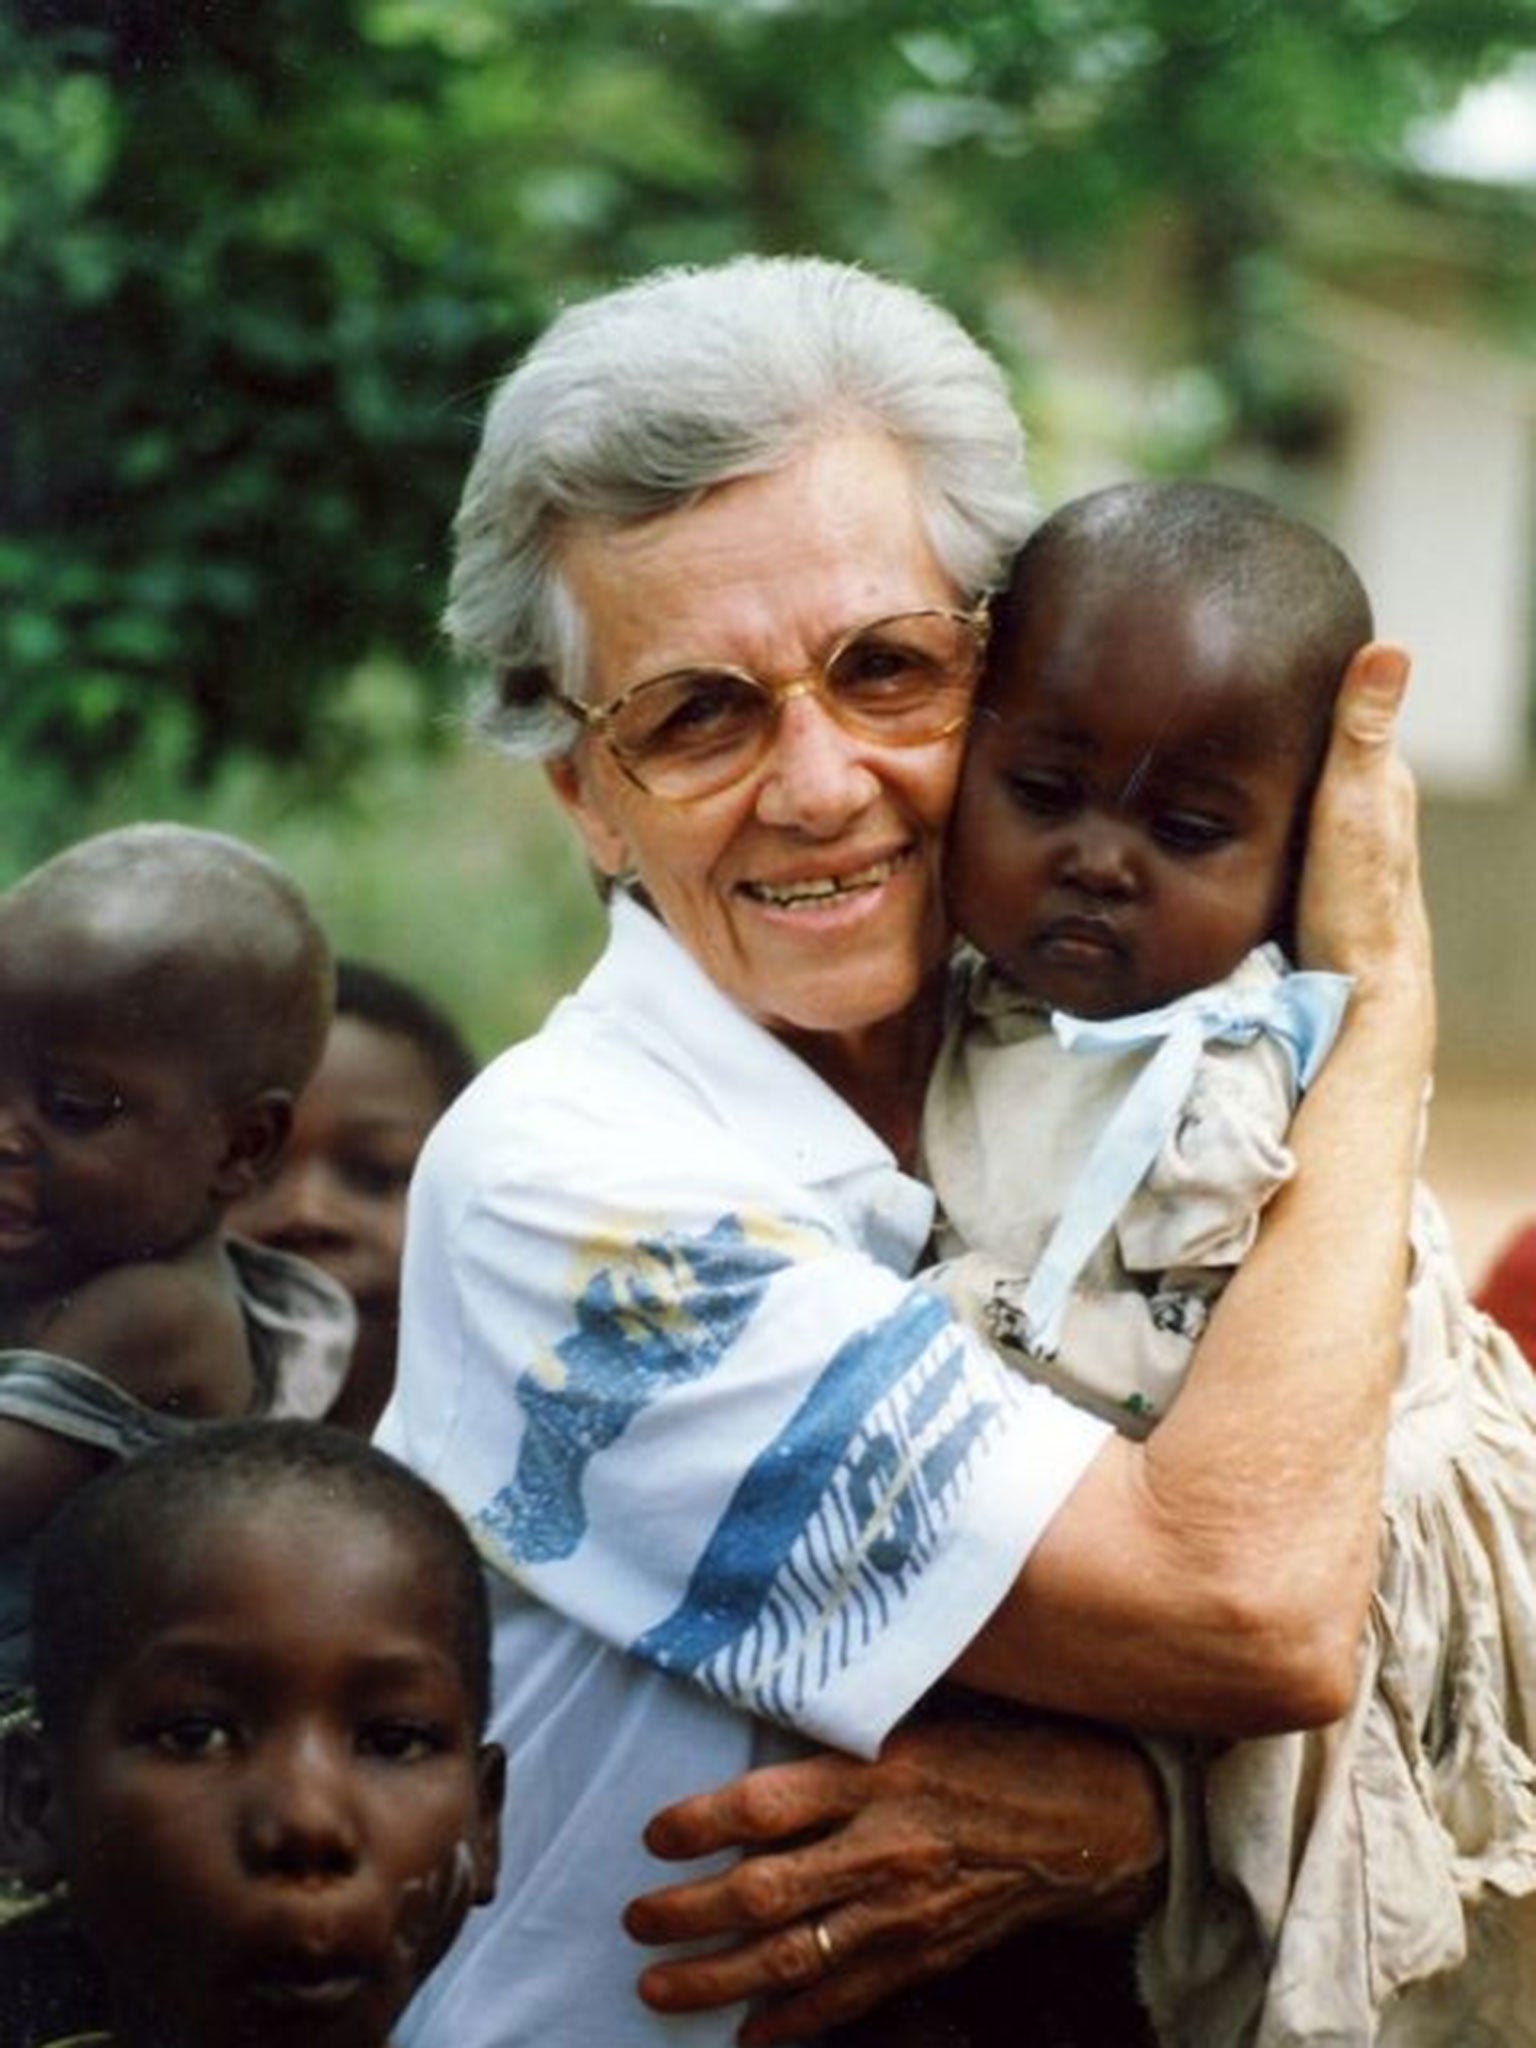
1229,1559
1289,1399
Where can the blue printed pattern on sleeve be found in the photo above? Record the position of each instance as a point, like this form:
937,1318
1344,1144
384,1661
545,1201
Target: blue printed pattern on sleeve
667,1315
825,1529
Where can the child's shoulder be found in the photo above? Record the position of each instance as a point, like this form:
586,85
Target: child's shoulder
169,1331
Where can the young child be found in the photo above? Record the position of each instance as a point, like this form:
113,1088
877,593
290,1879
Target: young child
164,996
266,1784
1124,850
392,1064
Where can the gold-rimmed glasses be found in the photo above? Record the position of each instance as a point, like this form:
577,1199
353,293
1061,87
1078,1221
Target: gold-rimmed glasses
905,680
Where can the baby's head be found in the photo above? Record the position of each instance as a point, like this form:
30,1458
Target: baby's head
262,1671
1153,717
164,997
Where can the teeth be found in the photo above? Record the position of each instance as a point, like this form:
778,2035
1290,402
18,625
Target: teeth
819,888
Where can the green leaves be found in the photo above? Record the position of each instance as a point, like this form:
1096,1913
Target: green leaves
259,267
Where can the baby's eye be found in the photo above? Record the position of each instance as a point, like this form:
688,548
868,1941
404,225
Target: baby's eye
1043,794
191,1738
78,1105
1192,832
402,1742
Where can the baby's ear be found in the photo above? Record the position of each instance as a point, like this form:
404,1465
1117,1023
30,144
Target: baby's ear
485,1838
256,1134
27,1809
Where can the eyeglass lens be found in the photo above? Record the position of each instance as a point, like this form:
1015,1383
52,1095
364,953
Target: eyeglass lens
900,681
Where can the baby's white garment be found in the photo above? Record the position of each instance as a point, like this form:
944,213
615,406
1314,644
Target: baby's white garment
1369,1885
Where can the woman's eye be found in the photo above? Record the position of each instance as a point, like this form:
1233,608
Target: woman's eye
707,703
1191,832
402,1742
879,668
693,712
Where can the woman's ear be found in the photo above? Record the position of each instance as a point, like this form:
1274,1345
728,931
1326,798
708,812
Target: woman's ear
572,784
256,1133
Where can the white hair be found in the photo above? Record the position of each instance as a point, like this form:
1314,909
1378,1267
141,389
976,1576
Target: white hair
638,402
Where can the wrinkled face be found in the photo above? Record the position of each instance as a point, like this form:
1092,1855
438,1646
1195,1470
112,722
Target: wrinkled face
1125,817
275,1814
338,1195
113,1145
808,892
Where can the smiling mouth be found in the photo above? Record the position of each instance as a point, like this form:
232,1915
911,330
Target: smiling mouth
823,888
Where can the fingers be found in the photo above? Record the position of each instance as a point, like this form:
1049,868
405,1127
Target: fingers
962,1830
868,1976
1371,694
779,1890
788,1959
767,1805
884,1848
1361,905
869,1946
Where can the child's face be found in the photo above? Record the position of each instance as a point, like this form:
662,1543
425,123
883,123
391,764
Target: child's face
112,1142
275,1813
338,1195
1126,810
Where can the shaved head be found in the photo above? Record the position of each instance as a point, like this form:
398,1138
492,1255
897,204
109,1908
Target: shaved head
188,933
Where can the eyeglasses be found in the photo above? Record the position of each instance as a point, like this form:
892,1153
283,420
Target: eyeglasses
903,681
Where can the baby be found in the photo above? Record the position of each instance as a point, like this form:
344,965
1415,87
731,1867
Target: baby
1124,850
265,1783
164,996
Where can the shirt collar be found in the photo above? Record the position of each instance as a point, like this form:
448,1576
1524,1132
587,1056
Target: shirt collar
752,1081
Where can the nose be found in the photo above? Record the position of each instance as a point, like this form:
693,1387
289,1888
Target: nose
16,1142
1099,857
304,1209
298,1820
816,779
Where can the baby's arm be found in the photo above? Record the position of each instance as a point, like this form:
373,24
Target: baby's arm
169,1332
38,1469
170,1335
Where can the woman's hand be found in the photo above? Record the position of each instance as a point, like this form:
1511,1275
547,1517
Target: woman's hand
873,1876
1361,909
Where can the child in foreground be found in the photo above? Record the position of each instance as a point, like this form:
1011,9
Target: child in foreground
1124,850
265,1783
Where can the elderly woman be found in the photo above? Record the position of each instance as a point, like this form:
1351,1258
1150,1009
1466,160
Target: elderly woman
745,1486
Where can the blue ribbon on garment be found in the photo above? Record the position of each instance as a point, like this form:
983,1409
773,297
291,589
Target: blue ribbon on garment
1302,1011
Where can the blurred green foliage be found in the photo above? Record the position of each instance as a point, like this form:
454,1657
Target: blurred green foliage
258,266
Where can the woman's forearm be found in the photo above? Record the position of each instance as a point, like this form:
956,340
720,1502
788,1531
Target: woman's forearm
1216,1577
